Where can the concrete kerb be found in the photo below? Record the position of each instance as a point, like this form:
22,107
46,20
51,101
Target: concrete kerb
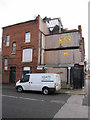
74,91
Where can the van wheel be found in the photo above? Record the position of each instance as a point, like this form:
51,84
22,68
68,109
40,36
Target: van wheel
19,89
45,91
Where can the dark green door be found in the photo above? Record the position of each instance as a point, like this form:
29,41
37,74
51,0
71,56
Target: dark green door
77,77
12,74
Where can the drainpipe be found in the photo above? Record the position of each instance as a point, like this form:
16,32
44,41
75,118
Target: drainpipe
69,68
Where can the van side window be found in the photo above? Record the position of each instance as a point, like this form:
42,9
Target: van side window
25,78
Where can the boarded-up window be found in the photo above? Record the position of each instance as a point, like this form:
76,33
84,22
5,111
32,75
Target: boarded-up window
27,55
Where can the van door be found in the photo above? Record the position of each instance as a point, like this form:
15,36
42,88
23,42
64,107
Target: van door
35,82
25,82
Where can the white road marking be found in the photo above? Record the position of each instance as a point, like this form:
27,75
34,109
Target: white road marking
22,98
57,101
32,99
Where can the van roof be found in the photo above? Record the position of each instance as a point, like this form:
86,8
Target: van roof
39,73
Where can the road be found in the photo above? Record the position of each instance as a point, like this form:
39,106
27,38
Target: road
31,104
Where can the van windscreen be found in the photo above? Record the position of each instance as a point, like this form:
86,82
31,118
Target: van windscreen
25,78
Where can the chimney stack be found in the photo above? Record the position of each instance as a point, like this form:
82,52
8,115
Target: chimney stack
80,29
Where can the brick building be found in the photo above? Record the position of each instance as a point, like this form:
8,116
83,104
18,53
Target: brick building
42,45
0,66
20,49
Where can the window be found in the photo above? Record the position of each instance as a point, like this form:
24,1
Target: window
27,37
7,40
5,64
27,55
25,78
14,47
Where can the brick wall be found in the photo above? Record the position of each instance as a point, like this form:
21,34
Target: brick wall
17,34
0,67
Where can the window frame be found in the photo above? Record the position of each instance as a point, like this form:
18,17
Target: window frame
27,37
24,80
7,40
5,64
23,55
14,48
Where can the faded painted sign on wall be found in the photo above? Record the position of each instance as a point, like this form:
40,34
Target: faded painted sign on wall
65,53
64,39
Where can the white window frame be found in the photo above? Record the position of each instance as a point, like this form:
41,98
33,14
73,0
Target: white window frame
14,47
26,68
27,55
7,40
27,37
5,63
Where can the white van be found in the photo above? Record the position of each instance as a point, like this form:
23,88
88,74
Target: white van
45,82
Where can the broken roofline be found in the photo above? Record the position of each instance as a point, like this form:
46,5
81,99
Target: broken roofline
51,19
68,31
27,22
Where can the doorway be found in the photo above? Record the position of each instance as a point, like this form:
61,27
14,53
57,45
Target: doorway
77,77
12,74
26,70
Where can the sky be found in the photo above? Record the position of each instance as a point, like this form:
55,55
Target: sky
71,12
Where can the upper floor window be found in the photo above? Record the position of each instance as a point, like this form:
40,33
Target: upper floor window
7,40
5,63
27,55
27,37
14,47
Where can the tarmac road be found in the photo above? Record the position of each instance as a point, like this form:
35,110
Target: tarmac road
31,104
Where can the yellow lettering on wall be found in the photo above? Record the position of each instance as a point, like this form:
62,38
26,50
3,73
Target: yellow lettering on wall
64,39
65,53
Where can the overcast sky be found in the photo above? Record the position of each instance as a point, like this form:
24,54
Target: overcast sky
71,12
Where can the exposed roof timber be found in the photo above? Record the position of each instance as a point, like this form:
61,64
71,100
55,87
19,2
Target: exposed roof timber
52,19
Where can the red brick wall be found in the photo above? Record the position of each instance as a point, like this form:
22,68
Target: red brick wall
17,34
0,67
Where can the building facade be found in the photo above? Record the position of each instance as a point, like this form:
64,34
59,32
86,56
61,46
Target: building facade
42,45
20,49
63,52
0,66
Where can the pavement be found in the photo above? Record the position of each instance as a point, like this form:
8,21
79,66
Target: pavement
73,108
76,106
